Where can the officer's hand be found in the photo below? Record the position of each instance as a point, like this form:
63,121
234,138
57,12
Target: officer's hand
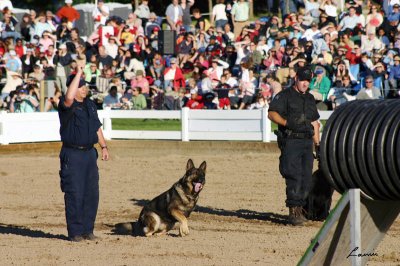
291,123
80,66
317,152
105,155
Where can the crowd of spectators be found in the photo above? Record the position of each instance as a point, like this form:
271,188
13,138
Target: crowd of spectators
225,61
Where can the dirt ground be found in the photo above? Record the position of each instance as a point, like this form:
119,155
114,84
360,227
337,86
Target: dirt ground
240,218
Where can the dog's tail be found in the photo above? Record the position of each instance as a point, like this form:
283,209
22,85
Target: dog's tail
132,228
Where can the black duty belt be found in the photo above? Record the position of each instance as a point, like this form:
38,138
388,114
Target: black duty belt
77,147
293,135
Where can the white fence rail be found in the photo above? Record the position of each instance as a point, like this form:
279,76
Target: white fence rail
244,125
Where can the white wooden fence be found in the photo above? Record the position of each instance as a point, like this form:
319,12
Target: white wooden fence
244,125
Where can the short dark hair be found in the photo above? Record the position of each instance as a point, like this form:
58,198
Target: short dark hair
76,30
369,77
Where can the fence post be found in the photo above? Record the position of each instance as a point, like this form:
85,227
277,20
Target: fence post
185,123
265,126
107,123
42,89
355,225
3,128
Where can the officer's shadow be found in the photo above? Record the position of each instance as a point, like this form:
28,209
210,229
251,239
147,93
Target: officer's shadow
23,231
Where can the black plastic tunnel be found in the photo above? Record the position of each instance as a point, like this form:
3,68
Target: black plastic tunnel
360,148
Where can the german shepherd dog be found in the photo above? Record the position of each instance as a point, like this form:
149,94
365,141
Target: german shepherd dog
174,205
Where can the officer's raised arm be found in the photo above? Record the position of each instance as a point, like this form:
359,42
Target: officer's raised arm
73,87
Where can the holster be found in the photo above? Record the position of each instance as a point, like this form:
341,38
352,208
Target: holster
281,139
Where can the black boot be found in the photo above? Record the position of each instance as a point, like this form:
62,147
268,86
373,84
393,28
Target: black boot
296,216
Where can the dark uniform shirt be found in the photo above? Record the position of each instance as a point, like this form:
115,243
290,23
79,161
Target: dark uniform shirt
79,123
299,106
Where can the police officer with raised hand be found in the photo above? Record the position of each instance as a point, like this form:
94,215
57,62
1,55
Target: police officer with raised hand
80,130
294,110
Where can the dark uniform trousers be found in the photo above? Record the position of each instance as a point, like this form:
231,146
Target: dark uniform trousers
295,165
80,184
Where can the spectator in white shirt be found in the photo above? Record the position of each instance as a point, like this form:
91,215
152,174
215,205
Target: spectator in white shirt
370,42
216,70
311,32
312,9
6,3
219,14
143,12
262,45
351,21
174,14
330,8
112,46
100,14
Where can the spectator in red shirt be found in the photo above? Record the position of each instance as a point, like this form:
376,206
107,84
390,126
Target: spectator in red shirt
20,49
196,101
173,76
354,57
254,32
68,12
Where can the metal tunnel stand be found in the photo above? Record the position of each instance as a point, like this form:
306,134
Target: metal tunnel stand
352,231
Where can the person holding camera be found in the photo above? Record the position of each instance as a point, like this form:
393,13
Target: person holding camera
62,61
295,112
337,94
22,102
51,104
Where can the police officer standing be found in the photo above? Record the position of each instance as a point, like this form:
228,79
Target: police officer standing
294,110
80,130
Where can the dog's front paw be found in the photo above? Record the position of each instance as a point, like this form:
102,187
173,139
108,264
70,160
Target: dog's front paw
183,230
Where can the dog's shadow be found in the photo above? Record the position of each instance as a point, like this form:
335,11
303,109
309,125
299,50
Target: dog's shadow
23,231
245,214
127,228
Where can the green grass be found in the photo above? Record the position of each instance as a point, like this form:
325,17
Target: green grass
156,124
146,124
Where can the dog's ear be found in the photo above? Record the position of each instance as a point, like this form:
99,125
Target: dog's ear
189,165
203,166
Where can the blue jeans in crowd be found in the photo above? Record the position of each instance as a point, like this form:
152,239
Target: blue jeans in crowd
7,34
354,70
220,23
288,6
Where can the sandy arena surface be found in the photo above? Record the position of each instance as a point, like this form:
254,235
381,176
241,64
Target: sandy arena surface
240,218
